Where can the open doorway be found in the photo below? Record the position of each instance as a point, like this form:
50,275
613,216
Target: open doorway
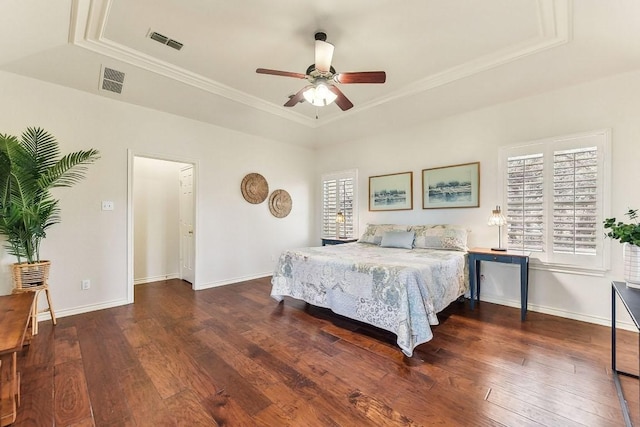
161,220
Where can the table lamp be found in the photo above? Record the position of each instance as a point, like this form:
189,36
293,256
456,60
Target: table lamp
498,219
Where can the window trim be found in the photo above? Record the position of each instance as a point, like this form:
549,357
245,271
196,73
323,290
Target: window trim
549,145
349,173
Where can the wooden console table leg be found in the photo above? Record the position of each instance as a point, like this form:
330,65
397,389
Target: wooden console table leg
9,390
16,378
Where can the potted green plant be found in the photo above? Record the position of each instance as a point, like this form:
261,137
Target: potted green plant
629,235
30,167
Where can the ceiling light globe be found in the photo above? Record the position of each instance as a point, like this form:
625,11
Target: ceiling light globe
319,95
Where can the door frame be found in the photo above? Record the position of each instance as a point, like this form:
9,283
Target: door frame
131,155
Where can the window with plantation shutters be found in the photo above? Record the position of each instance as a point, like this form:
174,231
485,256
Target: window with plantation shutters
339,196
525,202
555,193
575,201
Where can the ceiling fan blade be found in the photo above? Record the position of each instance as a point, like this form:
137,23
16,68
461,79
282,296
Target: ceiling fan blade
324,55
281,73
298,97
361,77
341,100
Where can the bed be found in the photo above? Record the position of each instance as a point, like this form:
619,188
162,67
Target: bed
396,277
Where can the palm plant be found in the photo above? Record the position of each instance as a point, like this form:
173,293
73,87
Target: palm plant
29,169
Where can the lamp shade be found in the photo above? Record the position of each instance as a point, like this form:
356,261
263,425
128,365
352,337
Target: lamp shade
496,218
319,95
340,218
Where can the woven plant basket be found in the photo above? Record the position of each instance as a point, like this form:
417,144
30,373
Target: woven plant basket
27,275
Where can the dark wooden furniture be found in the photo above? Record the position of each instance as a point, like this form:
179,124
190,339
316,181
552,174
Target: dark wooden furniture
337,240
476,255
630,298
15,313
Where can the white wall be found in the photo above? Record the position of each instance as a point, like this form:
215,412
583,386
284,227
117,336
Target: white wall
235,240
156,208
476,136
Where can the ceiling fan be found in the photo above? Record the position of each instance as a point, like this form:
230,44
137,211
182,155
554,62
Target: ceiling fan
323,78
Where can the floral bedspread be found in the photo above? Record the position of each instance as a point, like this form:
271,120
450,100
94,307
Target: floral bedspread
399,290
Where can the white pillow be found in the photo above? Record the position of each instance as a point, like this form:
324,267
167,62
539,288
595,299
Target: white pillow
397,239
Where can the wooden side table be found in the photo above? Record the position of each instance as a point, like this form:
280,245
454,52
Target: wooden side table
508,257
15,313
337,240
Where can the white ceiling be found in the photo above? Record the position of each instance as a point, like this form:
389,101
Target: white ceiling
441,57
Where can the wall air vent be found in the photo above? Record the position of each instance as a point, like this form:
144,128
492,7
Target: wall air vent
112,80
159,37
165,40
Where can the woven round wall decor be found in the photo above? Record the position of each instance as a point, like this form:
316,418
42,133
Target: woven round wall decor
280,203
254,188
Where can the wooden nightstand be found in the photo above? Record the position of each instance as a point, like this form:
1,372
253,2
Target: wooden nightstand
337,240
508,257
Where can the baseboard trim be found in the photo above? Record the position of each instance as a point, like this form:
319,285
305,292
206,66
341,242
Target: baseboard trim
603,321
82,309
144,280
233,281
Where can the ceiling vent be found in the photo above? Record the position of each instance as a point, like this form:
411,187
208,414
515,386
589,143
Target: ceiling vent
112,80
165,40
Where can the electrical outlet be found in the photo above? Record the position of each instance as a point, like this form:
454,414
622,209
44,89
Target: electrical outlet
107,205
86,284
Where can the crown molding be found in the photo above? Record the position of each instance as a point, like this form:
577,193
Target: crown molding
554,26
89,19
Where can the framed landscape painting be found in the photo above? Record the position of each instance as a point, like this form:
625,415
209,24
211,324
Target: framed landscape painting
455,186
392,192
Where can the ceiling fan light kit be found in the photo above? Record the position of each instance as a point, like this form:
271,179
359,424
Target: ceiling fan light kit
323,78
319,95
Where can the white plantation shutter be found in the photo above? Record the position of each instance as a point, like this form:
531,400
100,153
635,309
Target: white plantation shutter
555,197
525,202
345,203
339,195
575,197
329,206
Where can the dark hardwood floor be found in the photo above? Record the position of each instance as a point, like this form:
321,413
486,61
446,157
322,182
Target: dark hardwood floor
231,356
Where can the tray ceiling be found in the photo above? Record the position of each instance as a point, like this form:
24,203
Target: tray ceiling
455,54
